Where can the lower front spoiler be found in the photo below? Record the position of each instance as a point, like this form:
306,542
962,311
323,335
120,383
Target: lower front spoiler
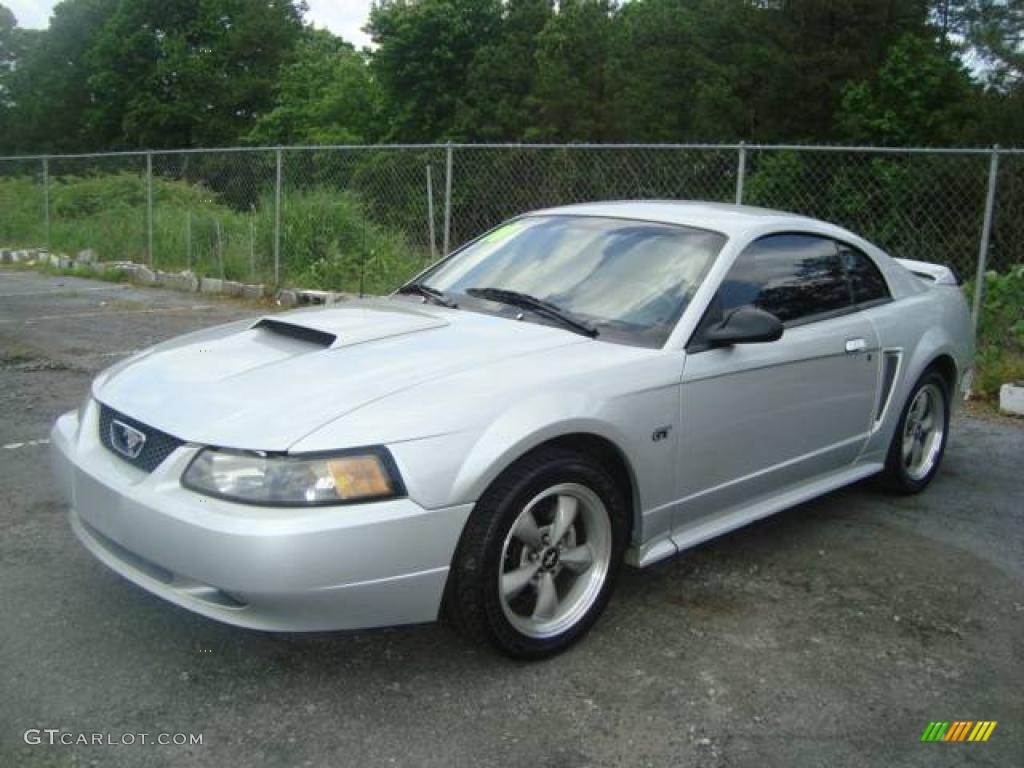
406,599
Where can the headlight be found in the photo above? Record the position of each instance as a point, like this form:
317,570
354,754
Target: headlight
314,479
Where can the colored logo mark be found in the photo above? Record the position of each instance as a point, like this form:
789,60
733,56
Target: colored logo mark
959,730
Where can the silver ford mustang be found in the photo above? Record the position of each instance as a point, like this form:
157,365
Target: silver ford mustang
578,388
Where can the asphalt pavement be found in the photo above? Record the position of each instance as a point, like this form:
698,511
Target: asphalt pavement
828,635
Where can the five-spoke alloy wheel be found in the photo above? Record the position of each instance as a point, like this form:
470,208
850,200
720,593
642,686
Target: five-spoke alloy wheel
920,438
540,553
555,560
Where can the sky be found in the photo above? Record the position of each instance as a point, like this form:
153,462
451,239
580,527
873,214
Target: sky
342,17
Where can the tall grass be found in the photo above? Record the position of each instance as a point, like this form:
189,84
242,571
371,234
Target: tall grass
327,238
1000,353
22,222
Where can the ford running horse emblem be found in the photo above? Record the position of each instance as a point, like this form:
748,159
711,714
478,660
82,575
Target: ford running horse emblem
127,440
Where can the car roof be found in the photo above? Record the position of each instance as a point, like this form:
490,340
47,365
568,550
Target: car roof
731,220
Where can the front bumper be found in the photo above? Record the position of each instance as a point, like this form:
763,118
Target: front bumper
324,568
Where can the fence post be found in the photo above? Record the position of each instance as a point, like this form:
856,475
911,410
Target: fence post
149,207
277,222
741,172
46,199
220,248
986,235
252,242
447,199
430,214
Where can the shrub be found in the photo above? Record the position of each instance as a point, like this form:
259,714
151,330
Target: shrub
328,240
1000,355
21,212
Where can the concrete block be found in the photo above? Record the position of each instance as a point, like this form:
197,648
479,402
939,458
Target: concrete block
178,281
5,256
122,266
88,256
125,267
231,288
64,262
317,297
144,274
1011,398
288,298
252,291
211,285
187,281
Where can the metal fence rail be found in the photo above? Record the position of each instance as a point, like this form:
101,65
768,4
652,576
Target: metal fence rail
367,217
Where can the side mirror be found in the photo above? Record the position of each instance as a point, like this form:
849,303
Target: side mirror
745,325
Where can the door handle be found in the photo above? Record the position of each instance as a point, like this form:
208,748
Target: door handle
856,345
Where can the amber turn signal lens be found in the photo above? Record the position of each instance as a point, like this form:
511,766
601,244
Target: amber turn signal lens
359,476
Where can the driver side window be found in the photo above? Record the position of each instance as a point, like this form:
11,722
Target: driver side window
795,277
798,278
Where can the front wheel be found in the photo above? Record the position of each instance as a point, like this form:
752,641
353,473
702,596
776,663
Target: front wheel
919,442
540,554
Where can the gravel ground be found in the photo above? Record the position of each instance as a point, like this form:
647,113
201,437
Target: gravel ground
830,634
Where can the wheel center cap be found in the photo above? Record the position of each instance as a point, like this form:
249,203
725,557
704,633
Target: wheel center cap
549,559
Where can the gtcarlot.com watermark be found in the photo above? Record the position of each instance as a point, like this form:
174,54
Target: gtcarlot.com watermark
55,736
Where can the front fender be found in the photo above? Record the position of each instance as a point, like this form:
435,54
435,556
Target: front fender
522,428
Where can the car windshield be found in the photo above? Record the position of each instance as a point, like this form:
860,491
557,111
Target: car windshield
629,279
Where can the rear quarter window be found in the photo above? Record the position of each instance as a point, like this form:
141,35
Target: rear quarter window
866,279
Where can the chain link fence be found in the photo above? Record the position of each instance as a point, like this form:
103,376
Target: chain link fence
366,218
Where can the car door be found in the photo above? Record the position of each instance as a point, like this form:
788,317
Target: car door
759,418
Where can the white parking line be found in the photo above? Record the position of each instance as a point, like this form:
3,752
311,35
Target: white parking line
26,444
125,353
111,313
57,292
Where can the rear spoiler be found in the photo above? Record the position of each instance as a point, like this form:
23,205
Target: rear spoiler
934,273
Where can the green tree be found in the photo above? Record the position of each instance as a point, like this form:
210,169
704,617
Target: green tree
326,94
992,29
423,59
921,96
8,52
8,25
652,95
569,98
173,73
801,53
992,35
495,106
49,87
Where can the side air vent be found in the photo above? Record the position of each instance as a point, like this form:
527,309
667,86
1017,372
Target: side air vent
890,368
300,332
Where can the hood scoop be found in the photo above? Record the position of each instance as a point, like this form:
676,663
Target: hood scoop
352,323
300,332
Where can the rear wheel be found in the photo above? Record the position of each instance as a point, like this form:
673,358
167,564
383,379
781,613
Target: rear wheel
540,554
919,442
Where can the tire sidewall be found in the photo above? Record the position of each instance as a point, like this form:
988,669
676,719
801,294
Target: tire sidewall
895,468
482,560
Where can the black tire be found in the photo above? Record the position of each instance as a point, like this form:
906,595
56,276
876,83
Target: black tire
896,476
472,599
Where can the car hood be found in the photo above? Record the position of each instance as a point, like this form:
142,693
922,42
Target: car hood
264,384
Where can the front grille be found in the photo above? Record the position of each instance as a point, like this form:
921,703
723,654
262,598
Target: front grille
158,446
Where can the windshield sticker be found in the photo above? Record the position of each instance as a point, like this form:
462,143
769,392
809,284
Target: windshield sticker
503,233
